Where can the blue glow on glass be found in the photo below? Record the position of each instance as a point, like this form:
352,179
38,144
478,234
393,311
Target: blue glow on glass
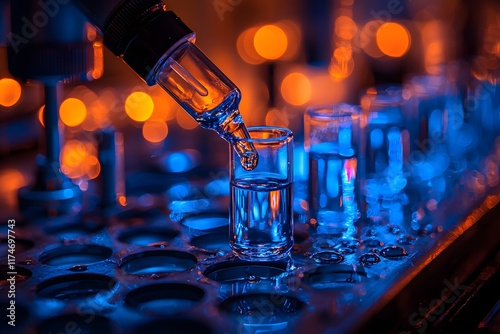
179,162
376,138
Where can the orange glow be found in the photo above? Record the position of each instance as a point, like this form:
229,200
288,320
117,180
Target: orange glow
139,106
79,160
40,115
270,41
98,69
11,180
72,112
342,63
367,38
393,39
185,121
122,200
277,117
246,49
296,89
155,130
73,155
97,116
345,27
10,92
433,34
164,106
341,70
92,167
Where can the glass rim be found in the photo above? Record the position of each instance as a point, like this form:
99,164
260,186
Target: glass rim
284,134
333,111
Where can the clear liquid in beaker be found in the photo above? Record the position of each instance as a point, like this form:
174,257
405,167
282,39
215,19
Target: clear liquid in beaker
332,187
261,215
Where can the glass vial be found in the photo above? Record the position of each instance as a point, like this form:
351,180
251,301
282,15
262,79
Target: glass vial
261,206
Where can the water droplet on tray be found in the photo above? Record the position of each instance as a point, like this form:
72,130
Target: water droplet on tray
78,268
369,259
330,257
372,243
345,250
160,244
407,239
253,279
393,252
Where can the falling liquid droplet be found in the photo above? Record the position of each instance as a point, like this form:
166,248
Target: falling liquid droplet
369,259
327,257
78,268
393,252
249,160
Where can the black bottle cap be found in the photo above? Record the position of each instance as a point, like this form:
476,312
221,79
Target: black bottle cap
142,31
152,42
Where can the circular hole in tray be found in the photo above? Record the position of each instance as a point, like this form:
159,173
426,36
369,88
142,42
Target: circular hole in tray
77,286
22,245
75,323
75,254
21,274
144,236
263,312
212,242
164,298
157,262
175,326
229,272
334,276
207,221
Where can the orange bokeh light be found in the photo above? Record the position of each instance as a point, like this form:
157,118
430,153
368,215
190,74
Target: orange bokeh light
246,49
10,92
79,160
185,121
367,38
73,156
40,115
155,130
345,27
342,63
277,117
296,89
72,112
270,41
393,39
139,106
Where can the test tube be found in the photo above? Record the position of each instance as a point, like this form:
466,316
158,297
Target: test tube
387,150
332,134
261,205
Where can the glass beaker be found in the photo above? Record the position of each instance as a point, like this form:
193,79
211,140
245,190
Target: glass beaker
332,135
261,205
